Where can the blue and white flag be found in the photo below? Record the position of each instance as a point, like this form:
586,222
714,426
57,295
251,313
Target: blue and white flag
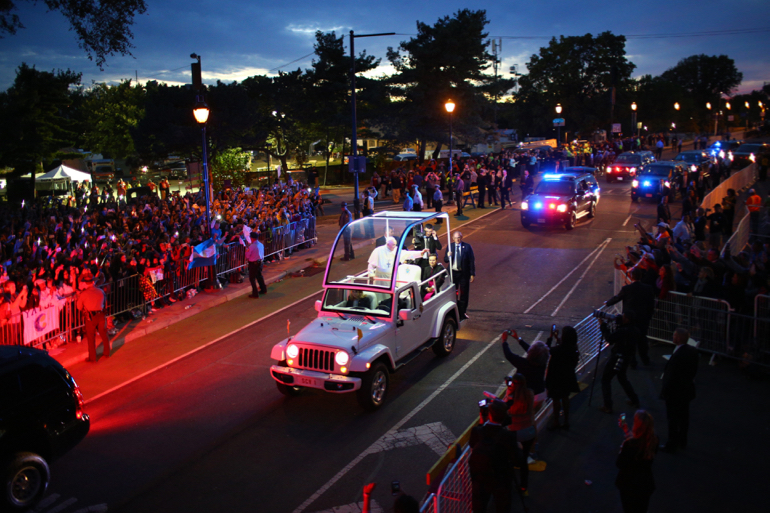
203,255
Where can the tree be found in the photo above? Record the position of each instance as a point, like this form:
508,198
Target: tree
111,112
445,61
579,72
705,78
102,28
37,118
230,165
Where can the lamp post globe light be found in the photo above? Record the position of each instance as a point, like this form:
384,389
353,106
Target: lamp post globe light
558,128
450,108
633,118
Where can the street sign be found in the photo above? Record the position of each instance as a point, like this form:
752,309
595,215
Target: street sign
357,165
558,122
616,128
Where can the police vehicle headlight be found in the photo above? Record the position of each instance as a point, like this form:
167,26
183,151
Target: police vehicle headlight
342,358
635,183
525,205
667,184
633,170
292,351
693,168
562,208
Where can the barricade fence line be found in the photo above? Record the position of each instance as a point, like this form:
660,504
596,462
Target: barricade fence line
738,181
137,292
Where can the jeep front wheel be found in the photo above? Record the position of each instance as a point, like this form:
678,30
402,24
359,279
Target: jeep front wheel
446,342
374,387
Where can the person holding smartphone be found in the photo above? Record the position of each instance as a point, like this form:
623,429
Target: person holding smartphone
635,479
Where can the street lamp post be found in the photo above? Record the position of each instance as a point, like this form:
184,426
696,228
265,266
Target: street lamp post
201,112
354,138
633,118
450,108
558,128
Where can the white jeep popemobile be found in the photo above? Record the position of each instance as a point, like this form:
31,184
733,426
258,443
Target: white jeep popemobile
375,316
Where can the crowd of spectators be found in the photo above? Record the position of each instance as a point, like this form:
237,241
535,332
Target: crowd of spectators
47,243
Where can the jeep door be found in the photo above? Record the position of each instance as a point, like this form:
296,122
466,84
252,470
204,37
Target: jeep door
413,331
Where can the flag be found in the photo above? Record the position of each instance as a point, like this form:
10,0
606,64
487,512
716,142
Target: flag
39,321
203,255
246,239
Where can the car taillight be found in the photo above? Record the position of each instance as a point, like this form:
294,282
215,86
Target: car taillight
80,404
562,208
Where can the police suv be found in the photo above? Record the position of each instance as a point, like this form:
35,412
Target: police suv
562,199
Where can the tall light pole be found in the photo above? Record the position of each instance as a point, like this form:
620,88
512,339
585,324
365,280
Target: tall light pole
354,138
558,127
633,118
201,112
450,108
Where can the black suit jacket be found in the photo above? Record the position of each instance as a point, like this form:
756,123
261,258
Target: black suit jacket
637,297
467,262
679,375
364,302
428,271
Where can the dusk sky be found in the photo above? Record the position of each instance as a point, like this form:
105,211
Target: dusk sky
238,39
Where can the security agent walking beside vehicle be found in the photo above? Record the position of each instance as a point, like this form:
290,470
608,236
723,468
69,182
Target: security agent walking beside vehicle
255,254
494,454
463,269
92,301
679,389
639,298
622,340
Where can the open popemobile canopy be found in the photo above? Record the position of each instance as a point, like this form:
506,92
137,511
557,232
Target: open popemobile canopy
386,266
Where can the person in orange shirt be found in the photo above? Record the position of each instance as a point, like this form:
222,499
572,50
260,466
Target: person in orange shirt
753,203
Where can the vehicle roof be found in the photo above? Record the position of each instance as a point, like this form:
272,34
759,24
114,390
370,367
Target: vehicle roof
580,170
565,177
14,353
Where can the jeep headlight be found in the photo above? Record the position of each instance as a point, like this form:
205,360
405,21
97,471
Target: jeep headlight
292,351
342,358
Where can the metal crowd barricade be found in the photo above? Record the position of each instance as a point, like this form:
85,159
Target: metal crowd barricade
738,181
70,320
707,319
455,492
429,506
739,238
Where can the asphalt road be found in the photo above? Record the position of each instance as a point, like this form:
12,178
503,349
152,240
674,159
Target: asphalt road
211,432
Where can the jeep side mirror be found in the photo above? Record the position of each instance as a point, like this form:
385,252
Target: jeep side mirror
403,315
318,305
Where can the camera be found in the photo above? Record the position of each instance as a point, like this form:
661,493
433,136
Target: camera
509,380
598,314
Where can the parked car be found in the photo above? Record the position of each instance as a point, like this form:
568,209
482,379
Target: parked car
372,320
697,161
41,418
403,157
743,153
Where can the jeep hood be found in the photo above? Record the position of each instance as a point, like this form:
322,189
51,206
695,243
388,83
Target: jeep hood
342,333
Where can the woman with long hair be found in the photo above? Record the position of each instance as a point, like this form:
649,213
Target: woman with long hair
521,409
665,282
560,379
635,480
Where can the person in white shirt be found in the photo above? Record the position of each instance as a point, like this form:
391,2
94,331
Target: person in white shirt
255,254
383,258
684,230
416,199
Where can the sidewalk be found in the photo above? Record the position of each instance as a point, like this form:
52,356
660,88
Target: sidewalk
187,325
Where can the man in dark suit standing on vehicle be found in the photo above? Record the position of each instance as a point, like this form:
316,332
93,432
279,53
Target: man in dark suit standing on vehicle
679,389
639,298
463,268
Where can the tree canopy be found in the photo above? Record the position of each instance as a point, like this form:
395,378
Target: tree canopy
103,28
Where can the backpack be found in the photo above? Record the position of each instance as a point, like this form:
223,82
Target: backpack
488,458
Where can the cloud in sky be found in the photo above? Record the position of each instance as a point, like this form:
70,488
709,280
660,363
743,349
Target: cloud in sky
237,39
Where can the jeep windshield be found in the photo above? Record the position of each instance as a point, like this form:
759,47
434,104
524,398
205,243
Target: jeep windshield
358,302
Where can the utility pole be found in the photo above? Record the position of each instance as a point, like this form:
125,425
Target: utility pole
497,47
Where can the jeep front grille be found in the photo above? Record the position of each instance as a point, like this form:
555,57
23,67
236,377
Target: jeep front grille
317,359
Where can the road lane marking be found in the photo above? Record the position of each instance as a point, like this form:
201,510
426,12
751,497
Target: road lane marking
629,217
207,344
357,507
605,244
567,276
392,431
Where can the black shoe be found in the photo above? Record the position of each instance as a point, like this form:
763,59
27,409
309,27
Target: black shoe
263,292
465,317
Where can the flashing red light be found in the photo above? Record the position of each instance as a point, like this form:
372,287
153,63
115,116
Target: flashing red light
552,205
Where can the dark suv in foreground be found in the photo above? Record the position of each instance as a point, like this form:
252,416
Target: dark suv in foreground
41,418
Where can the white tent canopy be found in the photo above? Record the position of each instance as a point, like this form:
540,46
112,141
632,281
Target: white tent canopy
65,172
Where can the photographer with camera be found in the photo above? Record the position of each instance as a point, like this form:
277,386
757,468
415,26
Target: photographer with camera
494,454
623,338
639,298
532,365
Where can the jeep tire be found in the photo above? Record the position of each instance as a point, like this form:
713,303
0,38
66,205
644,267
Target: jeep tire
445,343
25,481
374,387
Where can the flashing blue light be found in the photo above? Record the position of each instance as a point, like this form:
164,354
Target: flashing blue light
646,183
538,205
552,176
